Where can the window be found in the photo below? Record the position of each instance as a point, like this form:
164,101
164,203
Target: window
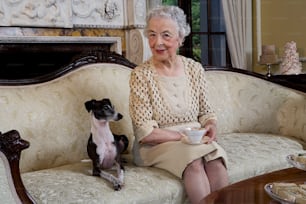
207,41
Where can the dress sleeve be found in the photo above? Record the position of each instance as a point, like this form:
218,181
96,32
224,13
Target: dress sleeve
140,107
205,111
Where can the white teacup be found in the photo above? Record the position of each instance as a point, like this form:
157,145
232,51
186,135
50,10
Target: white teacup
194,135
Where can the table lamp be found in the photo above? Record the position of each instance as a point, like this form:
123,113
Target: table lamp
268,57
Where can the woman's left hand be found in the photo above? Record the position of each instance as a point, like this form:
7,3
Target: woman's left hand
211,128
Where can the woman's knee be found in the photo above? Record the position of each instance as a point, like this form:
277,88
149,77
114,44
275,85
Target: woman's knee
196,165
217,163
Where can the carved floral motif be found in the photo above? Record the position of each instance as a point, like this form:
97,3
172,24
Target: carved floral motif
111,10
62,13
98,13
48,13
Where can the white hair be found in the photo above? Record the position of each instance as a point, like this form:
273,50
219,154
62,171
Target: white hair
174,13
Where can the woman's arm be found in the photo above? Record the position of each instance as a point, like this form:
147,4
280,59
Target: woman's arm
158,136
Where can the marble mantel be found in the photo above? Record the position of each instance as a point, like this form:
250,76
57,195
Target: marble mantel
113,42
124,18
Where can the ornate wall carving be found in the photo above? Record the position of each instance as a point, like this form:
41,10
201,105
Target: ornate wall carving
126,16
136,13
137,46
48,13
98,13
63,13
137,49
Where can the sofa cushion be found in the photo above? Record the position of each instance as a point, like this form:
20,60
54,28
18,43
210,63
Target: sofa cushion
74,184
251,154
7,194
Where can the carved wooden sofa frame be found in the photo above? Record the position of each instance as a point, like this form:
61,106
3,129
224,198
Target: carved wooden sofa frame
11,144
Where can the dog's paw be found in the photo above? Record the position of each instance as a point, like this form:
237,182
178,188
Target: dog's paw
118,186
96,172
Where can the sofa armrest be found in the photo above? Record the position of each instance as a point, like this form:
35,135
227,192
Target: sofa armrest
12,186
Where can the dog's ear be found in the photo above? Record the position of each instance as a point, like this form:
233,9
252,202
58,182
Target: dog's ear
106,101
89,104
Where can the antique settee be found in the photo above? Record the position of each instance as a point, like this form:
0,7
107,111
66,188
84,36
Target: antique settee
44,130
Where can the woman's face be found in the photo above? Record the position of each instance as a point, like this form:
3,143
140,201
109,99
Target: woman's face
163,38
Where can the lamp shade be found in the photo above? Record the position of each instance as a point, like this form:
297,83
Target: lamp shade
268,55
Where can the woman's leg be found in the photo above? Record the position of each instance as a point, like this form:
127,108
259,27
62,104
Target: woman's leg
196,181
217,174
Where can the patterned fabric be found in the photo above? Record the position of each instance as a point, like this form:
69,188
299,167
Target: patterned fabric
247,104
166,102
148,107
252,154
259,123
6,194
53,118
249,155
74,184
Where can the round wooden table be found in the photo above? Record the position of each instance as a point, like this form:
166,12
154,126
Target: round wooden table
251,191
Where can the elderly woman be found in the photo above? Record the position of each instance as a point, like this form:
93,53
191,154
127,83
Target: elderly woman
167,93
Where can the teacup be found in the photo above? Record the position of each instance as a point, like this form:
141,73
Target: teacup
194,135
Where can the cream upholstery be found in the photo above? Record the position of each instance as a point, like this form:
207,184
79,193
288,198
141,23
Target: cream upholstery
259,123
6,193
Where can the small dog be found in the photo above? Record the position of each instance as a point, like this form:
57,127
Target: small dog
104,148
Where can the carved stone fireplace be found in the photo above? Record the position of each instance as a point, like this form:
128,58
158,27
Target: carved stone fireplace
23,57
39,36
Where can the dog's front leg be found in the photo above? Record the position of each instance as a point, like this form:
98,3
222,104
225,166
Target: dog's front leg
117,184
120,172
96,168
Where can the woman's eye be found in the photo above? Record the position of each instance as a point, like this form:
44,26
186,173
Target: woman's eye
167,35
151,35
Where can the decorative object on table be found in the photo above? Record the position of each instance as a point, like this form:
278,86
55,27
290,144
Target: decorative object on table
297,160
290,62
286,192
268,57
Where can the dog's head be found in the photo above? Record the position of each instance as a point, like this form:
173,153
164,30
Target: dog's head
103,109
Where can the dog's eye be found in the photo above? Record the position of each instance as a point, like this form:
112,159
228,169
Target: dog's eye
106,107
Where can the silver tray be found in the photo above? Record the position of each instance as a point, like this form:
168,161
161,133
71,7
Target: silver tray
295,163
268,189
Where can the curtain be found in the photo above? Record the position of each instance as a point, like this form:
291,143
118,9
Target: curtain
238,23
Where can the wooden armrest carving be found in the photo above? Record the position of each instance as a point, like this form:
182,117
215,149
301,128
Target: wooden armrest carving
11,146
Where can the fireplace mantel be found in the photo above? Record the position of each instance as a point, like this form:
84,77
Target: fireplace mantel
113,42
31,56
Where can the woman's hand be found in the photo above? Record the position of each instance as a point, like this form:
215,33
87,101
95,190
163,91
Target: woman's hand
211,128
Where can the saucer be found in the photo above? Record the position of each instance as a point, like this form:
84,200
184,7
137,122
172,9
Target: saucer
203,141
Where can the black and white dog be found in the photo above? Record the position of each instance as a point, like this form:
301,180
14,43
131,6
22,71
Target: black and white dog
104,148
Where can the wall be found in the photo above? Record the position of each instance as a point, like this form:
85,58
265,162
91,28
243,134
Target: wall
91,18
282,21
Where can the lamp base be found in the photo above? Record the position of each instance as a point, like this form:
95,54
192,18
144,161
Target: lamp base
269,74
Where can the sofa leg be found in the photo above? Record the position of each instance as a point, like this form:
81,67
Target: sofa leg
11,146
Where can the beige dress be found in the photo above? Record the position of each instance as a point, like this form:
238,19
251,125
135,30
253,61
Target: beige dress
170,103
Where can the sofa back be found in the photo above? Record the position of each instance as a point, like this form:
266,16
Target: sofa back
53,118
52,115
245,103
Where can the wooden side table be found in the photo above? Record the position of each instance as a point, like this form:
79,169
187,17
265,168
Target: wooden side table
251,191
